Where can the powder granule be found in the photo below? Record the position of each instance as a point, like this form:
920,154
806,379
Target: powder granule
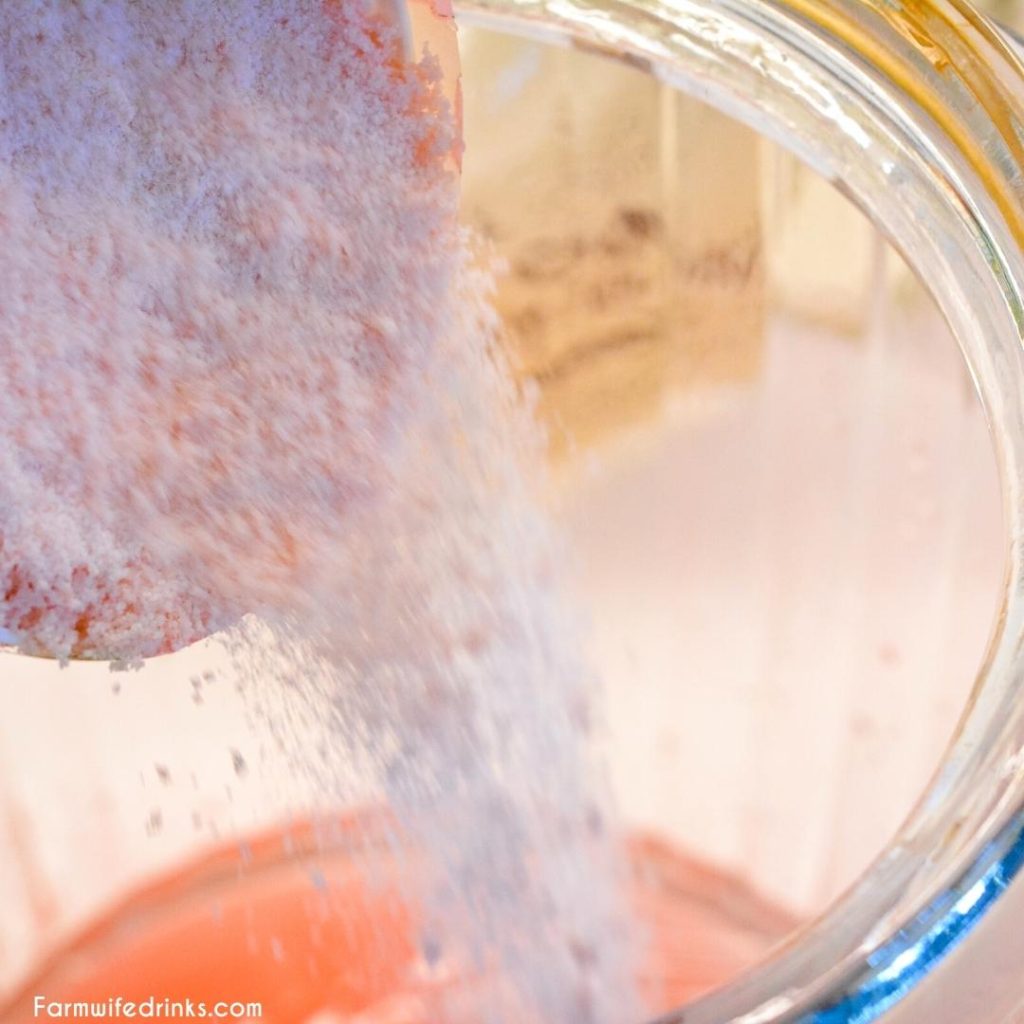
206,213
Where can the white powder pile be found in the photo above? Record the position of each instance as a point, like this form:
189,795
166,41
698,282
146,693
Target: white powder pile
227,251
250,368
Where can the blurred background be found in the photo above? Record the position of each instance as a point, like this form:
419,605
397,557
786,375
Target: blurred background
1010,12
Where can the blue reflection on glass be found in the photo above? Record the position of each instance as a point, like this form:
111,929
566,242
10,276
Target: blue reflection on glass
899,965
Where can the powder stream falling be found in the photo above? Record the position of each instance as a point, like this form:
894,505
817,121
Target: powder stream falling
252,367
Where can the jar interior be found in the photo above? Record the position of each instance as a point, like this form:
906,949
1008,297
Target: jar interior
775,475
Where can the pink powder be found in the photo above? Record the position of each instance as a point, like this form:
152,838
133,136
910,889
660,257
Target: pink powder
252,368
228,249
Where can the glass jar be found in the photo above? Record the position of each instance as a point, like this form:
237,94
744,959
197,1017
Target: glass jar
743,242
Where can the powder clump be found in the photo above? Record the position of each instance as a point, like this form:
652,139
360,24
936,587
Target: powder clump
227,250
